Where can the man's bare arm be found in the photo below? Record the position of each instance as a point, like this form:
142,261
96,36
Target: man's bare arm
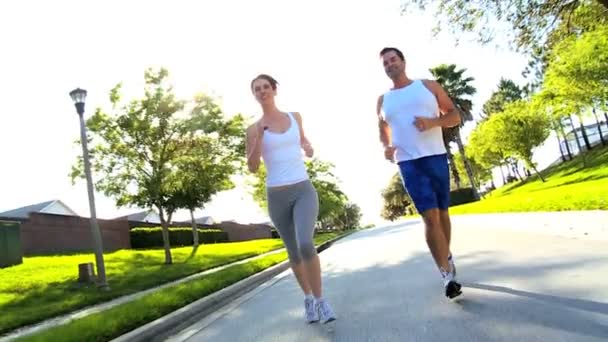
384,129
451,116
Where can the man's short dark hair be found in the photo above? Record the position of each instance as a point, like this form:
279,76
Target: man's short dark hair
389,49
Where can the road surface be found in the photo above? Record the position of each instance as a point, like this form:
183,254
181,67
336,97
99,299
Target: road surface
526,277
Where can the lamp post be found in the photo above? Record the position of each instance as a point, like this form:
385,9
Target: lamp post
78,96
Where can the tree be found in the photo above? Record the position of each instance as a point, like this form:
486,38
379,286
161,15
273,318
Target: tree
331,199
458,88
396,200
485,148
507,92
556,128
214,147
349,217
353,216
140,148
531,22
578,74
481,173
520,129
599,127
534,26
258,187
547,101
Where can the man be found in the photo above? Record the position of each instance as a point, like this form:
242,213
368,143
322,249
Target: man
411,117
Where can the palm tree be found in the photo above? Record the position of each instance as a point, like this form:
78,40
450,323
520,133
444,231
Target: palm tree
458,87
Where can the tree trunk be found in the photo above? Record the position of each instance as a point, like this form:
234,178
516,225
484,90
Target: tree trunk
515,165
599,127
578,143
536,170
606,120
194,230
165,230
584,132
512,173
559,143
467,165
561,128
561,150
453,168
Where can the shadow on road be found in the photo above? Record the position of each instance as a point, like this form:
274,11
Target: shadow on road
573,303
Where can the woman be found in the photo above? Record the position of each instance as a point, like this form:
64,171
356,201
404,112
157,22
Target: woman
293,204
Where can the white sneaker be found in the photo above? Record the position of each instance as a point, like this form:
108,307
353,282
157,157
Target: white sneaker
310,312
326,314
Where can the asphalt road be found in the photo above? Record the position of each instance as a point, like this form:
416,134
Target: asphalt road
526,277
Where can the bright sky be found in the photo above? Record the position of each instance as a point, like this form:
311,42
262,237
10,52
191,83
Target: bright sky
323,53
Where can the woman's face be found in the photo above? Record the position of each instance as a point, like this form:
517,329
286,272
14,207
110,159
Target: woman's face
262,90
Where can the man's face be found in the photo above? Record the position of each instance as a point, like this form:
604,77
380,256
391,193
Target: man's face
393,65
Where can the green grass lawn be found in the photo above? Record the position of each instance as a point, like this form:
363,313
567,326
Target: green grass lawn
45,286
568,186
106,325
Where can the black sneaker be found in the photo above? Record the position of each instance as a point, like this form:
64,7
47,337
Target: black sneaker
452,289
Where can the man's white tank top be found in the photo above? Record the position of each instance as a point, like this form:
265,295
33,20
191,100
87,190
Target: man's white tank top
400,107
282,156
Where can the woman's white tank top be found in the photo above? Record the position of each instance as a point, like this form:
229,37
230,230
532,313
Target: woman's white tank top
282,155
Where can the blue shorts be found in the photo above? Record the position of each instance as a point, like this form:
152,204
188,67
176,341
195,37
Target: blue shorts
427,181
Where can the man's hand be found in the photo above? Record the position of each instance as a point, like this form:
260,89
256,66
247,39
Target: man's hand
389,153
424,124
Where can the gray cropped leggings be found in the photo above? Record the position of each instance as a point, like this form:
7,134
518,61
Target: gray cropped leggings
293,209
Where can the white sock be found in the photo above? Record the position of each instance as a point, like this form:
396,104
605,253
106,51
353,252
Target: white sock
445,274
308,296
320,299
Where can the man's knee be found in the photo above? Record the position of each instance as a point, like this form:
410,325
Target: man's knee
431,218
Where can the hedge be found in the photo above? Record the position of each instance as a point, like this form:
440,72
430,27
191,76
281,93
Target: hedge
462,196
152,237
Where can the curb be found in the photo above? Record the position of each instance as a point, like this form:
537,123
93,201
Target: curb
164,326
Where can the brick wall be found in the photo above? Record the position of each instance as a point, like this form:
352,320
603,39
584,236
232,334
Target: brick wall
49,233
